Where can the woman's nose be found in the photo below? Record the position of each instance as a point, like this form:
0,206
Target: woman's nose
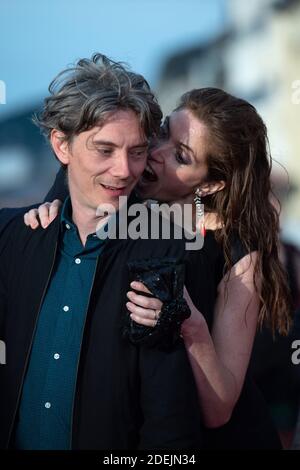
161,151
156,154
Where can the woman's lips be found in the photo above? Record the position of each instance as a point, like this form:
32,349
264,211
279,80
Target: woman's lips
149,174
152,169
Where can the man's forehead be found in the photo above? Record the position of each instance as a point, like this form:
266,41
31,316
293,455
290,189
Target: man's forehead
119,118
122,122
118,115
106,135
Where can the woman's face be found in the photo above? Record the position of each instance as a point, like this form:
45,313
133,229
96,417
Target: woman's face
177,163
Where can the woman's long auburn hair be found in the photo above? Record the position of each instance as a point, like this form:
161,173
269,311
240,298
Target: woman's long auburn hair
239,155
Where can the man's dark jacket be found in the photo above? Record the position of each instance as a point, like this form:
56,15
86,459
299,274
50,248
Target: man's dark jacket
126,396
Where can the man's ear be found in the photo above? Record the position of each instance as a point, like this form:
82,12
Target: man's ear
211,187
60,146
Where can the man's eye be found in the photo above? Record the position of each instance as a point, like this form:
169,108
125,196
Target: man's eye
139,153
105,152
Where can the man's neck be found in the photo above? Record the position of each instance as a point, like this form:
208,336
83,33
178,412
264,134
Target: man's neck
85,219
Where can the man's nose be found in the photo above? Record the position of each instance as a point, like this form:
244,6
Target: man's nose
121,167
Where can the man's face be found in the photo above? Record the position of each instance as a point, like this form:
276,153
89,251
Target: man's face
106,162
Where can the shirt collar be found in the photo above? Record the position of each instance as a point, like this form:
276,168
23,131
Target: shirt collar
67,223
66,215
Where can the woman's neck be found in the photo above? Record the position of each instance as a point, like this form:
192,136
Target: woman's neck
211,219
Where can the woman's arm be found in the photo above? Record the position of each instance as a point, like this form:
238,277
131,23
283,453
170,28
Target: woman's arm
219,360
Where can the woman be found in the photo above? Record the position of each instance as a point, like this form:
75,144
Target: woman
215,146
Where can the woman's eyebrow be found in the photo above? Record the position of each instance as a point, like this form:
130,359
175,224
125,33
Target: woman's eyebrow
189,149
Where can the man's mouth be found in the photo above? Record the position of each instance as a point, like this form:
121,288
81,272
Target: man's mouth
113,188
114,191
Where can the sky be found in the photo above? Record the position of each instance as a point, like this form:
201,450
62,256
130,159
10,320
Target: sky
38,38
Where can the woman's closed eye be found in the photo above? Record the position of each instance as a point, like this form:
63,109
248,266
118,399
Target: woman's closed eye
180,157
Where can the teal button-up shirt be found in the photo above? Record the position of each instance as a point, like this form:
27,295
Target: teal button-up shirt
45,413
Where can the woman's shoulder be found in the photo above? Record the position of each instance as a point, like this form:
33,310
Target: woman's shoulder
212,254
214,248
237,248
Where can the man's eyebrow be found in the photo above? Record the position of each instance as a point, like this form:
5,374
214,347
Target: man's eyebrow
142,145
112,144
104,142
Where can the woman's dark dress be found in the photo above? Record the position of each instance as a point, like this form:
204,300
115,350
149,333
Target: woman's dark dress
250,426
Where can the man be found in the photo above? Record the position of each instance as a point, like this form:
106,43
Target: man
71,381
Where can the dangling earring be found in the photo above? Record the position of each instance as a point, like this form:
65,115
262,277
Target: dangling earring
199,210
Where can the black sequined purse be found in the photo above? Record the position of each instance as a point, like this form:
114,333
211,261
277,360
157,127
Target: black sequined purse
165,279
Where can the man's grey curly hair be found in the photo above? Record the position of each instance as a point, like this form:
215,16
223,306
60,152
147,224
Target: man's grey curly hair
81,96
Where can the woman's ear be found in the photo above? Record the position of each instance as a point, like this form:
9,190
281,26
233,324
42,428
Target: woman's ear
60,146
211,187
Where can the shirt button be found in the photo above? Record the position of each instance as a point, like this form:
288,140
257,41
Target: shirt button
56,356
68,226
66,308
47,405
77,260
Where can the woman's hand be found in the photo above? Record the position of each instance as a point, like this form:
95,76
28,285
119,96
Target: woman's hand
43,216
144,310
